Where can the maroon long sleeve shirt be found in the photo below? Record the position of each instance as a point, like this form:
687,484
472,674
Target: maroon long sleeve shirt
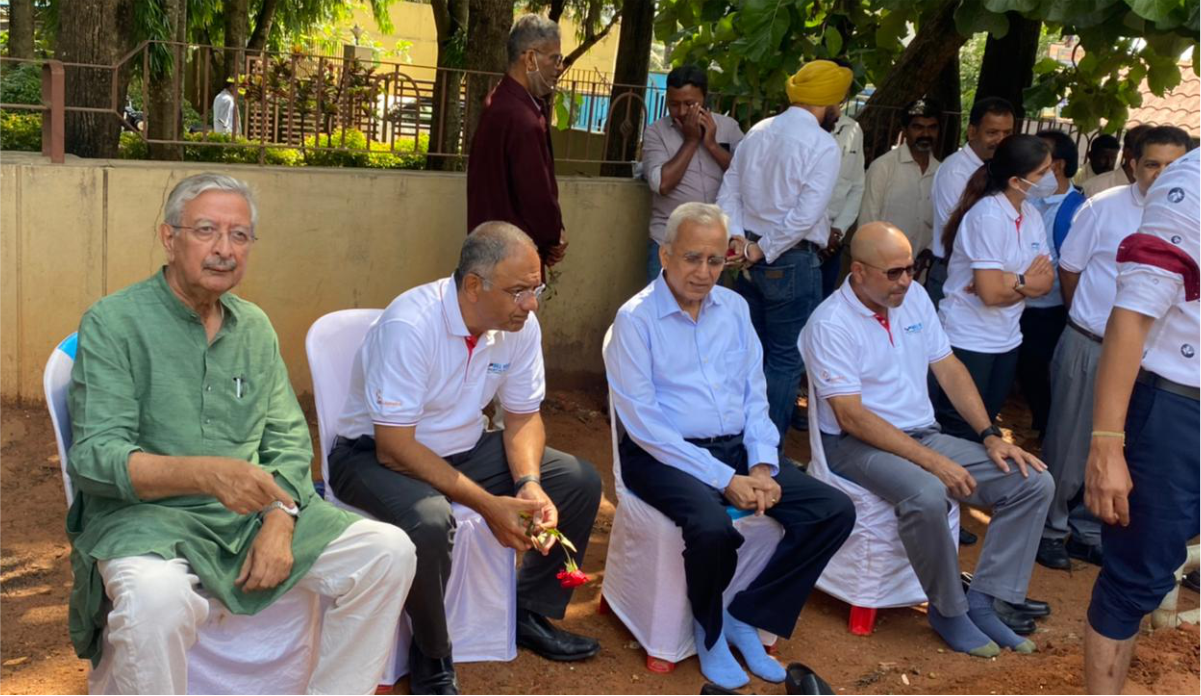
511,168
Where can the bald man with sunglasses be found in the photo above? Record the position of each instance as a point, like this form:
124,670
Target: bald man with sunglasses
868,347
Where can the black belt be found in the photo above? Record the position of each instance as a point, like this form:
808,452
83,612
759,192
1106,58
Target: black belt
1153,380
704,441
1087,334
804,245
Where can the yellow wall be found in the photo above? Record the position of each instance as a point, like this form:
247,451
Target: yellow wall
329,239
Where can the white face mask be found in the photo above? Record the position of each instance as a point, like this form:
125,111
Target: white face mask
1046,186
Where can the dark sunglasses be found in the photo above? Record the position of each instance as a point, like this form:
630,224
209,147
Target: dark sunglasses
894,274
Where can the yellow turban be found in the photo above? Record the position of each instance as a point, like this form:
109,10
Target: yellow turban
819,83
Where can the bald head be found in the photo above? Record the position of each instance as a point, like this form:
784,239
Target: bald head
877,243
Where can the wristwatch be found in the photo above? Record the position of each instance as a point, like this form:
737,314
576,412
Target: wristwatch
529,478
294,510
990,430
1021,282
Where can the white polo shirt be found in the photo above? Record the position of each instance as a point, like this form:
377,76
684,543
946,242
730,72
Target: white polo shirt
1158,272
992,236
415,367
1099,226
949,182
849,349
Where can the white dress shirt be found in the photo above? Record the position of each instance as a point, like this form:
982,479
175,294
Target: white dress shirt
780,182
897,191
1048,208
673,379
1158,272
992,236
848,192
1090,250
849,349
702,178
225,113
417,367
949,183
1104,182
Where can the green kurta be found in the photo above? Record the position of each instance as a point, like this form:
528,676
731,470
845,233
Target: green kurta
146,379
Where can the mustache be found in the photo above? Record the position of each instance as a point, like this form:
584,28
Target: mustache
216,263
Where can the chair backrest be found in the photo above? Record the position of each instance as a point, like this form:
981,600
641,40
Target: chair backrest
818,467
615,430
56,380
332,347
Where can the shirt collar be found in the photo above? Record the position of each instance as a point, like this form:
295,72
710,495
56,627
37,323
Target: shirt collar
666,303
856,305
972,157
182,311
515,91
450,308
1003,203
803,114
1139,198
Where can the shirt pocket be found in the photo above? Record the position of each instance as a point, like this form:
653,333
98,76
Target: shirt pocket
238,406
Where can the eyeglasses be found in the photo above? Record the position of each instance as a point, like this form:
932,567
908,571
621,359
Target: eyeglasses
521,296
238,236
556,57
695,259
894,274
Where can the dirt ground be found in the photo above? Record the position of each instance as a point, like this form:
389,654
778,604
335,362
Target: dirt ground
902,656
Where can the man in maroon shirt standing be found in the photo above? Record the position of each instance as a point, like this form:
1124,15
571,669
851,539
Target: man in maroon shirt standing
511,169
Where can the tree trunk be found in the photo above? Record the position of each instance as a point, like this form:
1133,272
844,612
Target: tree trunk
488,25
1008,65
20,29
164,106
237,21
262,26
627,108
946,91
98,32
914,75
450,19
556,10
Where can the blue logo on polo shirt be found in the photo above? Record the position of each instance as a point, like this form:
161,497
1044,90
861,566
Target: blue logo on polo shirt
498,368
1176,195
1176,239
1187,351
914,328
1035,245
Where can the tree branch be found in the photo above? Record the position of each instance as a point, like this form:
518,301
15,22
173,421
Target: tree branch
590,40
262,26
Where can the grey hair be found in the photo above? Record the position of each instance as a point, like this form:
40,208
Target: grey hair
191,188
529,31
487,245
705,214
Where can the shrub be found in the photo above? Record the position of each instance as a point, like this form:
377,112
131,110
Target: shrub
22,84
20,131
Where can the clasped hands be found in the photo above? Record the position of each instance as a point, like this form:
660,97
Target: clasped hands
757,491
244,489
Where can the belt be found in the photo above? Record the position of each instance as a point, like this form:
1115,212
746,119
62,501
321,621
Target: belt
703,441
1087,334
1153,380
803,245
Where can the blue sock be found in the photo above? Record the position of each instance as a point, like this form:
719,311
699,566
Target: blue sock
745,638
961,634
981,612
717,663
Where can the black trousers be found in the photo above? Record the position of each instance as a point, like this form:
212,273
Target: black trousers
816,518
993,374
1041,328
424,514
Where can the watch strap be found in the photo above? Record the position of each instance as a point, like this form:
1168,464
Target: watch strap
520,483
990,430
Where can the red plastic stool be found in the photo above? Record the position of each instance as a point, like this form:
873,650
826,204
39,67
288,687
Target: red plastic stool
603,607
862,621
659,666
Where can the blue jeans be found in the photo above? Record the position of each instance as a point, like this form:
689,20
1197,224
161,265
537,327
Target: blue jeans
781,296
653,267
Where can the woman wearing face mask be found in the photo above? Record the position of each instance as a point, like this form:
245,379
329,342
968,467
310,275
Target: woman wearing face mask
998,259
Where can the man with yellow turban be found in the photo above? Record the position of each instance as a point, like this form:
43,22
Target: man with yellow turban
776,193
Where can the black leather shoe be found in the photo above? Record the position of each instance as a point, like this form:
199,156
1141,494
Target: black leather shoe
428,675
535,632
799,679
967,538
1017,622
1030,607
1191,580
1089,553
1052,554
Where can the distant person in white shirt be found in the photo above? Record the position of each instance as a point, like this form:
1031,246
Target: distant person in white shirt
1102,157
1141,476
899,182
868,348
844,202
998,258
686,374
1089,270
1123,174
225,112
777,193
990,121
685,153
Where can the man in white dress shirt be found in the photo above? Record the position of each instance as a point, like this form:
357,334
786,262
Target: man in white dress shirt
776,193
1141,476
685,371
868,348
844,202
899,182
411,441
990,121
1089,270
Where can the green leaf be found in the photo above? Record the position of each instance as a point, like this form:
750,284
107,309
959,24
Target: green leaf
764,24
1046,65
973,18
833,41
1154,10
1003,6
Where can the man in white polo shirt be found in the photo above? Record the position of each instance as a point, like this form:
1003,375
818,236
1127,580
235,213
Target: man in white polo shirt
1088,270
1141,476
868,348
989,122
412,440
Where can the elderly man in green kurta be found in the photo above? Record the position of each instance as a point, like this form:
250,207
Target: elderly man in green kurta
191,465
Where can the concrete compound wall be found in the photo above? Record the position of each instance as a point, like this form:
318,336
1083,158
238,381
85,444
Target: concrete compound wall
329,239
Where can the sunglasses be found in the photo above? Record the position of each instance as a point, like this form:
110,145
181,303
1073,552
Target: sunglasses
894,274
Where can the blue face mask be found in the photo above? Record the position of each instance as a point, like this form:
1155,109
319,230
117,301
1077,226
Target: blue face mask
1046,186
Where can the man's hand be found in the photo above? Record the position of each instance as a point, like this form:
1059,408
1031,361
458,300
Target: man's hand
504,517
956,478
923,262
690,125
768,491
753,253
547,516
999,451
269,561
556,253
751,492
709,125
241,486
1107,483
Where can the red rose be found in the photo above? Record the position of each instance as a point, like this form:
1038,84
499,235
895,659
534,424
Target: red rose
572,578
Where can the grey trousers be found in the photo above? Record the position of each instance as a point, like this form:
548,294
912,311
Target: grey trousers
922,503
1068,436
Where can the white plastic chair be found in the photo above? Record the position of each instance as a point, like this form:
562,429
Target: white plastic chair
871,571
481,592
271,652
644,569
